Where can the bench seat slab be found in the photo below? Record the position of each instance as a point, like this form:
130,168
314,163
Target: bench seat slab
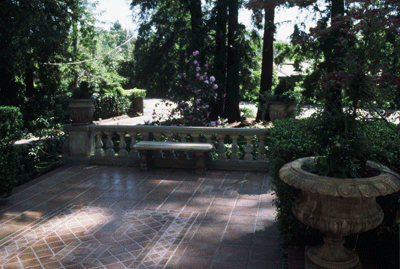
145,148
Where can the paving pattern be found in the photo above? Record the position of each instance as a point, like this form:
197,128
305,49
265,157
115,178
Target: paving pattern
118,217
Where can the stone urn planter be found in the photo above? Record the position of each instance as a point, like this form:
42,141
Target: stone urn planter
81,111
138,105
338,207
278,110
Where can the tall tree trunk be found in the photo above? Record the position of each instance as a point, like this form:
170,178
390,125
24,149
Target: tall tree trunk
75,46
232,111
196,20
267,68
30,88
332,54
220,57
8,89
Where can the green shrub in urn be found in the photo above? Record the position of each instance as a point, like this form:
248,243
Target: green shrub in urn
84,91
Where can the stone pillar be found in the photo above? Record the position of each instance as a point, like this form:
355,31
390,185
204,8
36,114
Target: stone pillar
81,144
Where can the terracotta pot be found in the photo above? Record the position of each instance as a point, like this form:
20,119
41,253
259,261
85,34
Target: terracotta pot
81,111
278,111
338,207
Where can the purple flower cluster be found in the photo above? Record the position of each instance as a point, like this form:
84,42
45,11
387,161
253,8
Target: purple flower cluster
194,92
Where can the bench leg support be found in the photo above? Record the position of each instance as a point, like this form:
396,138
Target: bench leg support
145,160
201,167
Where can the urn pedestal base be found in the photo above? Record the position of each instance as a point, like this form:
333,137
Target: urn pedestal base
333,254
310,265
338,207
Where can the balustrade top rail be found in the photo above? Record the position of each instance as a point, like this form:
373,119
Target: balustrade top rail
86,147
179,129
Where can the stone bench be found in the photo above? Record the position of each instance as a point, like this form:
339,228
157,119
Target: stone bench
146,160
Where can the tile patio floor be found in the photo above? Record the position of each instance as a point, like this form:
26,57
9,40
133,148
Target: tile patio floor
117,217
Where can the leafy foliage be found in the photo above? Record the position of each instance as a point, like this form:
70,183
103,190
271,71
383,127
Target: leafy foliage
53,109
10,124
194,92
284,92
356,79
289,140
136,93
9,164
110,105
36,33
167,34
85,91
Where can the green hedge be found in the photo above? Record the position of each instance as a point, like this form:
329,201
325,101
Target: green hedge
52,108
11,124
290,139
135,93
9,166
10,130
109,105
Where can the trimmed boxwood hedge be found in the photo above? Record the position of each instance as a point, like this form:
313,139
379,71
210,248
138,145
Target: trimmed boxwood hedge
288,141
10,130
108,105
11,124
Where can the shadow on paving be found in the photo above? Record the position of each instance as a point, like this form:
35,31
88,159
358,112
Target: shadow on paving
117,217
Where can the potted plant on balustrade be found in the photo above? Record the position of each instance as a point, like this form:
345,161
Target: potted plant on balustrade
283,102
81,107
339,187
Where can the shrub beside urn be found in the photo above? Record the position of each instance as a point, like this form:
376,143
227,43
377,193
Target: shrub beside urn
81,107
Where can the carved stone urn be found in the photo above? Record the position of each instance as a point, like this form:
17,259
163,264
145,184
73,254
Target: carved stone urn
338,207
278,111
81,111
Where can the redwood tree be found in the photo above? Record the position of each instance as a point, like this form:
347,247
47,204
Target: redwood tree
232,112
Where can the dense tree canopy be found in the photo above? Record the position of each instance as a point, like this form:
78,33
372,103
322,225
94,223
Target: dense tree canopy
34,33
171,30
48,46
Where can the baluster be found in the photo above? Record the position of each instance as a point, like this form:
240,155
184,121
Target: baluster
109,144
157,136
248,157
261,149
159,153
170,154
99,145
145,136
235,149
221,148
122,145
169,137
208,140
196,138
183,136
133,153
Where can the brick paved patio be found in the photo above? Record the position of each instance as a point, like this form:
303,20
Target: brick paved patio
118,217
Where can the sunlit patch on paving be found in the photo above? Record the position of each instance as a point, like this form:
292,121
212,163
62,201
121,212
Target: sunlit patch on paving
99,237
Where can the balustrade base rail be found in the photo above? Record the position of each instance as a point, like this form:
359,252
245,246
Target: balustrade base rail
98,144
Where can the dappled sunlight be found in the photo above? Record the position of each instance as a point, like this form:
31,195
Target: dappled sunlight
112,216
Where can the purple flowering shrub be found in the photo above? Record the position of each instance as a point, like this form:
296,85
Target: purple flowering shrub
192,93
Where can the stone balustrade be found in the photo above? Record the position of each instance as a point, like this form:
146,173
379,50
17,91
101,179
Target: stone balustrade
114,144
